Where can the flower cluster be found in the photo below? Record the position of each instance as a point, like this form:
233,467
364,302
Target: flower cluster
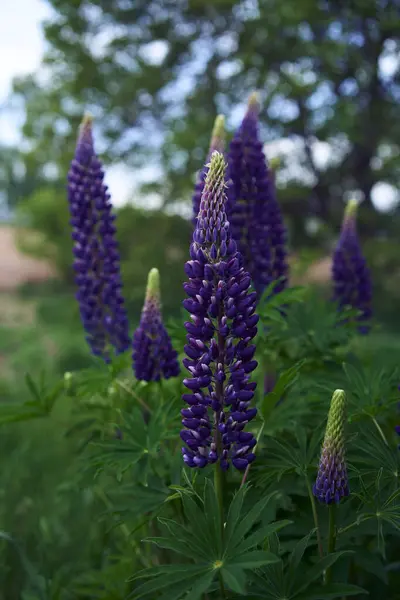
332,482
219,349
97,263
256,220
153,355
217,143
350,274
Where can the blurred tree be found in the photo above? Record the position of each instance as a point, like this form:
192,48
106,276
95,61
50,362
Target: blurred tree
146,239
155,73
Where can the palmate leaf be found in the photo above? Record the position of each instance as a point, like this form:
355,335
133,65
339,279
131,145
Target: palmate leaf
230,550
291,452
143,443
285,381
333,591
43,399
372,388
293,577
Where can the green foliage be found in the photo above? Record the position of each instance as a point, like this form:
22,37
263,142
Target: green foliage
96,503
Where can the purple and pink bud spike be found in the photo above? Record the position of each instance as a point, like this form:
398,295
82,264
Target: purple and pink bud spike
332,482
352,285
256,220
223,323
217,143
153,356
97,262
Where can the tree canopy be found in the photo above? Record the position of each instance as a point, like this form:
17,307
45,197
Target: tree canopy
156,72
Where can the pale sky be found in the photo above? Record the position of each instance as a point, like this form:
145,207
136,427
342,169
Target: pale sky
21,50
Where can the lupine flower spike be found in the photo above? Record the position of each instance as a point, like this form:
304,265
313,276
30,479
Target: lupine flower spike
153,355
219,349
97,263
256,220
332,482
217,143
351,276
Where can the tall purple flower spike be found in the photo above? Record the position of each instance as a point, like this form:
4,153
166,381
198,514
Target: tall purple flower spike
217,143
97,261
219,349
352,284
256,219
332,482
153,356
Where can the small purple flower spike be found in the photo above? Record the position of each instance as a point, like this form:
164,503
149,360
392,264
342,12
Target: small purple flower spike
256,219
97,262
219,349
352,284
217,143
153,355
332,482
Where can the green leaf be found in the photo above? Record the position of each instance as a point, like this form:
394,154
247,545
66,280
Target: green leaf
168,579
234,578
253,560
179,546
259,536
234,513
247,523
318,569
286,380
332,591
184,537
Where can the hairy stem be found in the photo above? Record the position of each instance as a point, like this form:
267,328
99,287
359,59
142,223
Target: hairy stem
331,539
315,516
259,434
379,428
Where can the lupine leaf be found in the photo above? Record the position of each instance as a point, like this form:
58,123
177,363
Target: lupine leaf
261,534
234,578
317,570
333,591
253,560
248,521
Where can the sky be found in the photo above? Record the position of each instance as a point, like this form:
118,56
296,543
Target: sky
22,46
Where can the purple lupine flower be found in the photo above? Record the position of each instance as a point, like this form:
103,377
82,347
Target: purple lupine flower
256,219
217,143
352,284
332,481
97,262
153,356
219,349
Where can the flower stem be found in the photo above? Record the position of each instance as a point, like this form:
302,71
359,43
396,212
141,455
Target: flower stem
379,428
259,434
131,393
315,515
219,492
331,539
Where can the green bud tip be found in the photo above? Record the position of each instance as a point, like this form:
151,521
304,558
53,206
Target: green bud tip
351,209
216,170
219,127
336,417
253,103
275,163
153,284
85,129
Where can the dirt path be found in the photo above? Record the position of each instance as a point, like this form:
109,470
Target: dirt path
15,267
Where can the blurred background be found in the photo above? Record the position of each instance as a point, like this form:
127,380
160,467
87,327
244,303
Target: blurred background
154,74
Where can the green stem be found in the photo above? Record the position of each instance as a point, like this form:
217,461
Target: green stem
331,539
379,428
259,434
129,391
315,515
219,491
